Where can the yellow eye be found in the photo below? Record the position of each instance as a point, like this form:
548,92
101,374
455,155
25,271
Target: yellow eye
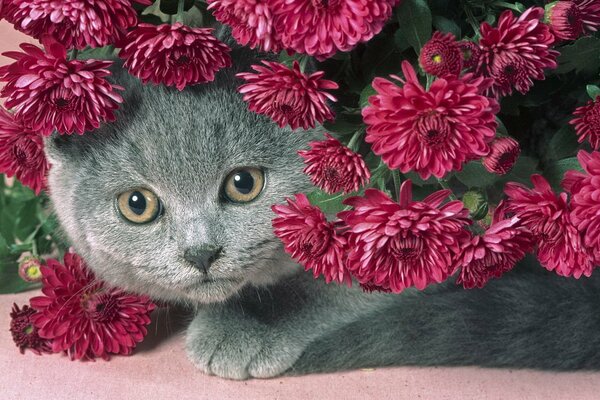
244,184
139,206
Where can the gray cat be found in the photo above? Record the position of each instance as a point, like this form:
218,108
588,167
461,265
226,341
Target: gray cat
173,200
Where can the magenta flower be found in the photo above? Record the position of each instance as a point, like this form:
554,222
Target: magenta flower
587,123
333,167
410,243
83,317
441,55
503,155
492,254
585,204
24,333
322,27
565,20
430,132
50,93
174,55
516,51
311,240
74,23
22,153
288,96
251,22
560,246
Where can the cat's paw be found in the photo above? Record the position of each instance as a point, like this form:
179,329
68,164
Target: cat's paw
234,347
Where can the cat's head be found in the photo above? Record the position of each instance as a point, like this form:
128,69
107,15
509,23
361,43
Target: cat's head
174,198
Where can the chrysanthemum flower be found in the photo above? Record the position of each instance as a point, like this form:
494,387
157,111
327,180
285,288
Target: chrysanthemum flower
22,153
50,93
30,269
547,216
174,55
251,22
83,317
322,27
409,243
311,240
333,167
470,53
441,55
24,333
585,203
492,254
565,19
516,51
503,155
74,23
590,14
587,123
430,132
288,96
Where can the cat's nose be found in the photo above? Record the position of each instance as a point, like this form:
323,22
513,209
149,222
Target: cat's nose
202,256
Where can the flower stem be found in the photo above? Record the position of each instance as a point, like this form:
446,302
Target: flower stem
354,144
504,4
180,11
472,21
444,184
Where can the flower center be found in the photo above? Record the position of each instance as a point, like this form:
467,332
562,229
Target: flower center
325,4
407,249
507,160
28,330
101,307
183,60
315,243
23,153
433,129
437,58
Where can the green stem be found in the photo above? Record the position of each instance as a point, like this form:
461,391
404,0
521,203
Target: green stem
180,11
430,79
354,143
508,5
472,20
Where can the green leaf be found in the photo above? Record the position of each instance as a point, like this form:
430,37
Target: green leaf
555,172
329,203
414,17
581,56
10,282
367,92
521,171
593,91
444,24
563,143
344,124
474,175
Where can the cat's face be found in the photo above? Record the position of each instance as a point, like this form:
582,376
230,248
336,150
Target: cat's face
176,174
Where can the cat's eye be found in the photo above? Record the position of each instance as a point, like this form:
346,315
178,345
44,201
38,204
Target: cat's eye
139,206
244,184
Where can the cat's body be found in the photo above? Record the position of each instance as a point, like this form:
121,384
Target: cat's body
258,313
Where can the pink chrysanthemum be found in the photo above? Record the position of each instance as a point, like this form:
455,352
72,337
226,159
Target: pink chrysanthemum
565,19
50,93
410,243
322,27
503,155
22,153
30,269
288,96
470,54
492,254
590,14
83,317
587,123
516,52
547,216
174,55
441,55
74,23
585,203
251,22
333,167
24,333
430,132
311,240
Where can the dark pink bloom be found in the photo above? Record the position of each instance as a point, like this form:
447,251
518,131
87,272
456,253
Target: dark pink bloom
590,14
24,333
311,240
410,243
470,54
587,123
333,167
174,55
322,27
22,153
516,51
74,23
503,155
83,317
50,93
585,201
441,55
251,22
492,254
288,96
560,246
430,132
565,19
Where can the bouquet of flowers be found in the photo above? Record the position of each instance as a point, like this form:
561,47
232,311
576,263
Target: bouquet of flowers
461,135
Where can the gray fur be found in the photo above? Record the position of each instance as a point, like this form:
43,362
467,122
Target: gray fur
270,317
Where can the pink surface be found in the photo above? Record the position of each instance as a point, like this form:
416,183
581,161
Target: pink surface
159,370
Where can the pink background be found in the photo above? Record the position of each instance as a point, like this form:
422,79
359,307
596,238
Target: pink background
160,370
